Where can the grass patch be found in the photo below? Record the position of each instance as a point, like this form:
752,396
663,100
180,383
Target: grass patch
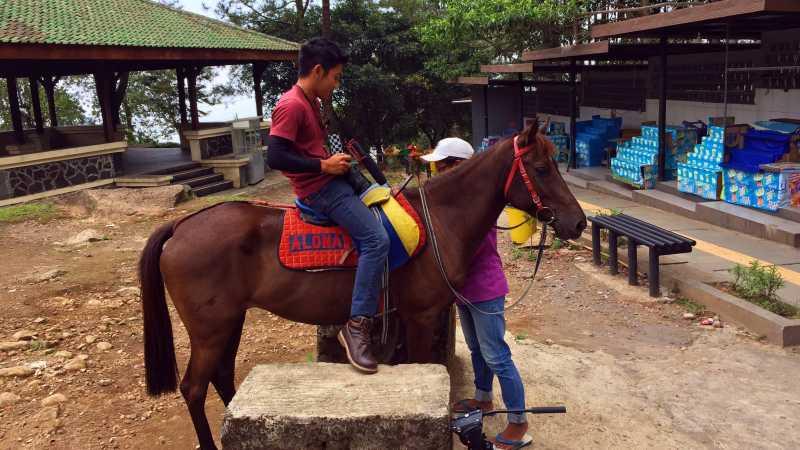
759,284
690,305
521,337
528,254
41,212
214,199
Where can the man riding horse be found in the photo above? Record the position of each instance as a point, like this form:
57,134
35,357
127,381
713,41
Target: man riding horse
297,149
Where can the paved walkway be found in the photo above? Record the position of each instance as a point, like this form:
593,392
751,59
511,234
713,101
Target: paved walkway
717,249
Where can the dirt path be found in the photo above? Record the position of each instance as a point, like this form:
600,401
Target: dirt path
633,373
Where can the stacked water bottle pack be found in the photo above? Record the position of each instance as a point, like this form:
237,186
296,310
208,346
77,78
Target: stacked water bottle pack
744,181
556,132
636,162
700,174
592,138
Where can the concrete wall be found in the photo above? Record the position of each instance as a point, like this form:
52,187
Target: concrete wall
770,104
504,107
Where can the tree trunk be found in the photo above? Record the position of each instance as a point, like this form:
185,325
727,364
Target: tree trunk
326,18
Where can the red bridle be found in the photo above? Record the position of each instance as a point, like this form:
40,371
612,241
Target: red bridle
518,166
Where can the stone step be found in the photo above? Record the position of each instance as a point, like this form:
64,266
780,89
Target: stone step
324,405
175,169
573,180
213,188
792,214
611,188
671,187
750,221
202,181
191,173
665,202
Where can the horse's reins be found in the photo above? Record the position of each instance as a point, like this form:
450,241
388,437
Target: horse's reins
549,218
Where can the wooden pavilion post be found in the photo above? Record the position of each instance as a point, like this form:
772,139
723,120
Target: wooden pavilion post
37,105
573,114
49,91
191,75
258,71
104,84
662,109
180,73
16,116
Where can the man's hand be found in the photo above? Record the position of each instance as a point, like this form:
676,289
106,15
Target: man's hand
337,164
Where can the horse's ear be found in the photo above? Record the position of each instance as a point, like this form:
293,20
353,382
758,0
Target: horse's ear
528,135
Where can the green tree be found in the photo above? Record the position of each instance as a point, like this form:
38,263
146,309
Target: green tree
387,94
68,106
462,34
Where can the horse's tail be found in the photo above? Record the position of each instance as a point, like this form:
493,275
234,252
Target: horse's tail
159,349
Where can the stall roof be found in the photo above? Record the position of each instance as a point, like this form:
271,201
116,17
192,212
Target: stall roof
507,68
608,51
472,81
747,18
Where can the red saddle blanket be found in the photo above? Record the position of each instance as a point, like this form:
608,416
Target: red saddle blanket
304,246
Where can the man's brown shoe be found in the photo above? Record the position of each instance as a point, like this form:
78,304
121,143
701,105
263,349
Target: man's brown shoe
355,338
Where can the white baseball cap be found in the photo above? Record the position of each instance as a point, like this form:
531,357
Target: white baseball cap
450,147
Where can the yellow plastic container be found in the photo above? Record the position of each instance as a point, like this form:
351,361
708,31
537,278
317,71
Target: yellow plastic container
521,234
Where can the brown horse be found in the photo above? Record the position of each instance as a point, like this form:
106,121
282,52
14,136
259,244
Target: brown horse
222,261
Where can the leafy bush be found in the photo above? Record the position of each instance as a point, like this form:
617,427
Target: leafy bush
759,284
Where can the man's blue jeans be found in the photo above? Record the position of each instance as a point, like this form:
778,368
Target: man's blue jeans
338,201
485,336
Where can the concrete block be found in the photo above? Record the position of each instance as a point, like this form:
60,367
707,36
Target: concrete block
331,406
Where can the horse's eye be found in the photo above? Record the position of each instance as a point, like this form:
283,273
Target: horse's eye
542,170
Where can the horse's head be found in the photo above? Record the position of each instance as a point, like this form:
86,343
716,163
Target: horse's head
556,201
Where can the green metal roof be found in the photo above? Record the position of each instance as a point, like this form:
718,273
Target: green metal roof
124,23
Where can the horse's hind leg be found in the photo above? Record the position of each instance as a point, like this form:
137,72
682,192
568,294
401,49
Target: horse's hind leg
204,361
223,377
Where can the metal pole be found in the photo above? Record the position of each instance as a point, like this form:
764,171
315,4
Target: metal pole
725,90
573,111
486,111
521,103
662,111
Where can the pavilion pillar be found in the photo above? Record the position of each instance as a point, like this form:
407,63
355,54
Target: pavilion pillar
49,91
37,105
105,89
16,116
662,109
521,102
182,95
191,76
573,114
258,71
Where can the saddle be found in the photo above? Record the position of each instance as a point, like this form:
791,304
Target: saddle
311,241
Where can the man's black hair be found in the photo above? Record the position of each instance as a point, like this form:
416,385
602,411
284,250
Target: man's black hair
319,51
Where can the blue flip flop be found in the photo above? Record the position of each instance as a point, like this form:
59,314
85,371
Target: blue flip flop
524,442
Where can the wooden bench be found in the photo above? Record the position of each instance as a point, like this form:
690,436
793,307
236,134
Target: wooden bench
638,232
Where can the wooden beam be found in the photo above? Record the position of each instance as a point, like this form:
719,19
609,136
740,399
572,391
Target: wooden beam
725,9
258,71
191,76
507,68
106,53
49,91
16,116
37,104
472,81
569,51
180,72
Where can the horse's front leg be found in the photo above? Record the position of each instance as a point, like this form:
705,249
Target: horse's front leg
421,332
